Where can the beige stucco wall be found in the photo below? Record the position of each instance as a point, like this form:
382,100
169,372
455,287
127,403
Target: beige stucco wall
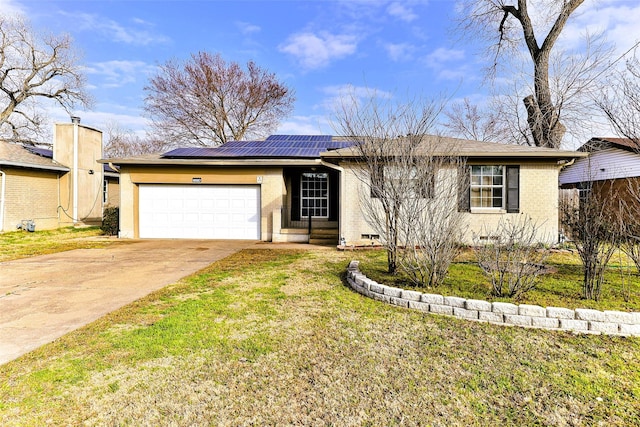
30,194
270,180
90,172
538,200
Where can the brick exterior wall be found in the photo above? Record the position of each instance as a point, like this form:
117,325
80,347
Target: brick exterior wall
538,199
30,194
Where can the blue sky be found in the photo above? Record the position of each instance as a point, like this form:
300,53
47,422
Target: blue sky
317,47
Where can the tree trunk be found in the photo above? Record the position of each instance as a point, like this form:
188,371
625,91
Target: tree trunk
542,115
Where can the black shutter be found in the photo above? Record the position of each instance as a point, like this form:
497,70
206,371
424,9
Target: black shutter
513,189
334,196
376,182
295,197
427,189
464,189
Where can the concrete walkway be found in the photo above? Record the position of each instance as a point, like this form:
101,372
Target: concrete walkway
45,297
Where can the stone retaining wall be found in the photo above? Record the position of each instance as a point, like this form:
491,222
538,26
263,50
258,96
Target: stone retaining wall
557,318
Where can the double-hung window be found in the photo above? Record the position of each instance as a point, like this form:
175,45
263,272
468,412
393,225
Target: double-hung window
487,187
491,187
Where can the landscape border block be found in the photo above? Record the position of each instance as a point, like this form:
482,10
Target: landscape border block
581,320
490,316
504,308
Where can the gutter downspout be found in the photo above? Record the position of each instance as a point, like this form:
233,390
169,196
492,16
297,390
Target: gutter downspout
75,121
2,195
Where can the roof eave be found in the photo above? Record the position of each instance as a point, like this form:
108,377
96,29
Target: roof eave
483,154
34,166
212,162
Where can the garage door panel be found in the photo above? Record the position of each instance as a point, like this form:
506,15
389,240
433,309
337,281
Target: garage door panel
199,211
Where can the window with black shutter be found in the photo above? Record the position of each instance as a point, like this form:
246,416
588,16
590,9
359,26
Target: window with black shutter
492,187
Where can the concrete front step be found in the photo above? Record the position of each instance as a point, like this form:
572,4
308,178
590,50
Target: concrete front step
327,242
324,233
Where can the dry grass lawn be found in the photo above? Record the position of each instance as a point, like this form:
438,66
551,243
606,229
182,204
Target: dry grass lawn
274,337
23,244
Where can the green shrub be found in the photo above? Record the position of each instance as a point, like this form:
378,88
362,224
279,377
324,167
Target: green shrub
110,221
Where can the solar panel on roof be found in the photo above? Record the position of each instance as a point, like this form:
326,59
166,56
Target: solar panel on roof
307,146
44,152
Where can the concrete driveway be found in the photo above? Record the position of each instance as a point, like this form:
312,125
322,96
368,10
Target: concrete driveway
44,297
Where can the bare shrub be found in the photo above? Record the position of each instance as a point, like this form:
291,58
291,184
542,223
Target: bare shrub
394,159
629,215
432,226
594,226
511,256
410,179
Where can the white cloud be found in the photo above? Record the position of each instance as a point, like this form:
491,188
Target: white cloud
400,11
247,28
315,51
617,19
304,125
116,31
339,96
447,63
120,73
127,118
442,55
11,7
399,51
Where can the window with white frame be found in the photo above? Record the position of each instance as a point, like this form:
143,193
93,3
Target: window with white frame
487,187
314,189
493,187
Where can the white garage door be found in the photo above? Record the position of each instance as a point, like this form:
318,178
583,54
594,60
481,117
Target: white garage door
199,211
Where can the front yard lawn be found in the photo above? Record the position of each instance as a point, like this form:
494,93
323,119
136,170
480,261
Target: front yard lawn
562,288
268,337
23,244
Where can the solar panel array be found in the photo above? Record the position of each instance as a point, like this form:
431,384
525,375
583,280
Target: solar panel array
276,146
44,152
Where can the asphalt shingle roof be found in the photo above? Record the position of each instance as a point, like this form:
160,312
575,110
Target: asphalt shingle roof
19,156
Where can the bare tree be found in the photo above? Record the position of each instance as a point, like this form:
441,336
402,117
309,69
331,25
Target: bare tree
412,183
620,101
506,24
469,121
122,142
511,256
208,101
35,67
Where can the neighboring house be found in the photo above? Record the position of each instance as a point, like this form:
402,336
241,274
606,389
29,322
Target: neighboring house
56,187
612,168
265,190
609,159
